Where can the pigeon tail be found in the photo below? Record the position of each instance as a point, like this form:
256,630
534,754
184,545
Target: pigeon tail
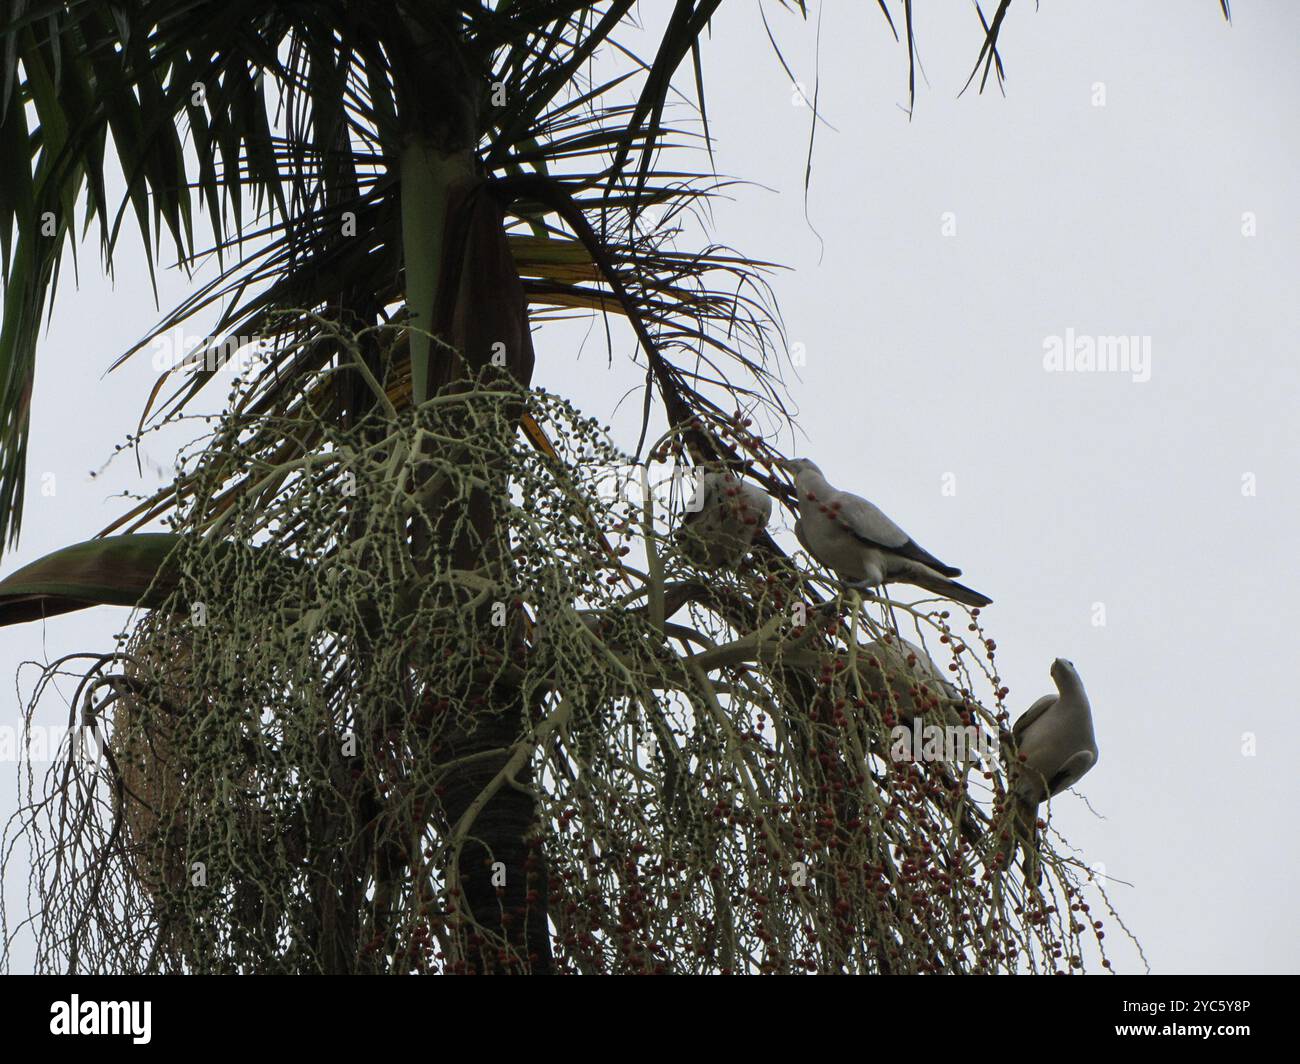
968,596
928,579
1027,832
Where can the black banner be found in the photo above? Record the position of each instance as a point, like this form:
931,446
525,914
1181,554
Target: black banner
214,1014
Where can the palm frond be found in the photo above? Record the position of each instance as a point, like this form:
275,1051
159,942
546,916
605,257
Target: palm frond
266,138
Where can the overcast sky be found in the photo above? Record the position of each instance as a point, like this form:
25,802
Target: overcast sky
1139,179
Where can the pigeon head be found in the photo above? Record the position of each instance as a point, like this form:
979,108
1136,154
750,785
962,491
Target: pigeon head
1063,672
800,465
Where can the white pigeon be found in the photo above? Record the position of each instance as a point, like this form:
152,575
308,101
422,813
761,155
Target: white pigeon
863,547
1054,737
722,520
887,670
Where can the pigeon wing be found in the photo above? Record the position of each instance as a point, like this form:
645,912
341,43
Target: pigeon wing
868,523
915,552
1072,771
1030,715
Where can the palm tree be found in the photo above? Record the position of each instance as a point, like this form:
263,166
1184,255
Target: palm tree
393,192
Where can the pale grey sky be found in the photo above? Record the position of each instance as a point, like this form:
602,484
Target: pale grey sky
924,366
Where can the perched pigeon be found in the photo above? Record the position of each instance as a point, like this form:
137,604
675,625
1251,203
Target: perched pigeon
724,517
1054,737
861,545
895,666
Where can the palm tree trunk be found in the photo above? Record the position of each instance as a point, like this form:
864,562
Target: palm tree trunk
481,312
462,286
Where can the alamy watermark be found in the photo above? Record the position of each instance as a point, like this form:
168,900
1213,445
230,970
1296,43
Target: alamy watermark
942,742
1083,353
176,349
616,483
43,744
121,1018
